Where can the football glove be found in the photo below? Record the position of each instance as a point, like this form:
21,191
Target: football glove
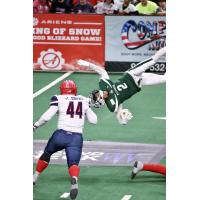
83,63
123,116
34,127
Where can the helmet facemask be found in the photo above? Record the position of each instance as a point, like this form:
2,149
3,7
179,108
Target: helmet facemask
96,99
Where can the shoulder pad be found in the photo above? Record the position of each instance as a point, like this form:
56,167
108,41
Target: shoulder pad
54,101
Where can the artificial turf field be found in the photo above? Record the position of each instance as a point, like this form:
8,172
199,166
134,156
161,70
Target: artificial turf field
98,182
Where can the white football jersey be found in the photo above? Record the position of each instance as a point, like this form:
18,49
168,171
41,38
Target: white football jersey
71,111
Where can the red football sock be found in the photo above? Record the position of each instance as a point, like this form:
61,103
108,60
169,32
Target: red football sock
74,170
158,168
41,165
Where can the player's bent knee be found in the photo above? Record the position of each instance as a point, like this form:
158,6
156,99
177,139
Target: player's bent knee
45,156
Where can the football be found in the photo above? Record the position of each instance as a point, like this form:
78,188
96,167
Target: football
125,115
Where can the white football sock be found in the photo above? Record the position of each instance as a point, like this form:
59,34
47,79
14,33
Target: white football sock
35,176
159,53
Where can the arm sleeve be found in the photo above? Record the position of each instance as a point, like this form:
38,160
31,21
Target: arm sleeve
91,116
49,113
118,114
54,101
120,107
100,70
46,116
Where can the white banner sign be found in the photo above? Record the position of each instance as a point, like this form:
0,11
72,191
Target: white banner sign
134,38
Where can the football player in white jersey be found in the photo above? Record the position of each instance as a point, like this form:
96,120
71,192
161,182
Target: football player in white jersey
72,110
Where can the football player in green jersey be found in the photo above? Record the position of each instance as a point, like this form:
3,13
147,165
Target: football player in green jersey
115,93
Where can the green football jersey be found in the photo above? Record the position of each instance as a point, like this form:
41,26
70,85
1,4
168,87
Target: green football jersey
118,91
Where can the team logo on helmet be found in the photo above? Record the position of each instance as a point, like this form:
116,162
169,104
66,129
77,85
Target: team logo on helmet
51,60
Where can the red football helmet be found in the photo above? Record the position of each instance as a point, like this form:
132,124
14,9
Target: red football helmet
68,87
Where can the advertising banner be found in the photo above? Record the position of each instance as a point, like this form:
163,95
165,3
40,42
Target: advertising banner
131,39
59,40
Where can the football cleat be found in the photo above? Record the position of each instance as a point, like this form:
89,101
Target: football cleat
35,177
137,167
74,188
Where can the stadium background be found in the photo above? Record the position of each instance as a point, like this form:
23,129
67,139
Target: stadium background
104,182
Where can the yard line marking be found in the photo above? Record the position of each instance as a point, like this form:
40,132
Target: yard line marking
64,195
126,197
51,84
164,118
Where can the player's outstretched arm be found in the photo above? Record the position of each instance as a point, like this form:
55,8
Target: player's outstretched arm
45,117
91,116
100,70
